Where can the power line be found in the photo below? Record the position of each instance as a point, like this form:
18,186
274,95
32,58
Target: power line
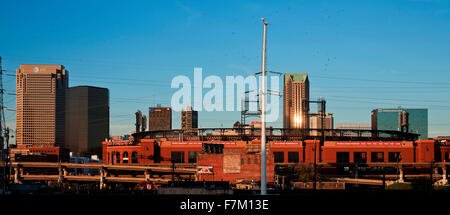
396,104
390,99
383,81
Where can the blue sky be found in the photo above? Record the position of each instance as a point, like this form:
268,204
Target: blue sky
360,55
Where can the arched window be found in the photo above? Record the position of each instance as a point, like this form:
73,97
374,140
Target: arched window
113,154
117,157
125,157
134,157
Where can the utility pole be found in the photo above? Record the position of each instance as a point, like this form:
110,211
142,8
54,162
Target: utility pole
322,142
4,133
6,166
321,109
263,112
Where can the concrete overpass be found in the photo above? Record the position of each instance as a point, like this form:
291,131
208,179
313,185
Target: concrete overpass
119,173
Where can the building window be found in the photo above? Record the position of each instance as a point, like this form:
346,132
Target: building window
177,157
342,157
242,161
360,157
192,156
117,157
249,161
278,157
125,157
447,157
134,157
395,157
293,157
256,161
377,157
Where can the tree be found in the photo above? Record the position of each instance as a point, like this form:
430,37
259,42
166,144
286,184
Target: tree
305,172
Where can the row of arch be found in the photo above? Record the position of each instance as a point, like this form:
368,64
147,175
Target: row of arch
116,158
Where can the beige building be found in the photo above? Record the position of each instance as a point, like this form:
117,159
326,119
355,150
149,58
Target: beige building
354,126
316,123
296,100
40,104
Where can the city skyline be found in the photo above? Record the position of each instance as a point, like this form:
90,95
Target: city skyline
379,60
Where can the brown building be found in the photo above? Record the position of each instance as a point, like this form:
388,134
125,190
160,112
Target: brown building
296,100
40,104
189,119
159,118
41,153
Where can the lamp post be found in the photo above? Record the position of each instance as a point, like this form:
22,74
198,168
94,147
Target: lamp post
263,112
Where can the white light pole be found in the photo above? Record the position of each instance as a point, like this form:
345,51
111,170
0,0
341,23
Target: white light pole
263,113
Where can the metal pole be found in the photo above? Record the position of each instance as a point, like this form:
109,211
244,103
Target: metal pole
263,113
4,153
315,164
173,172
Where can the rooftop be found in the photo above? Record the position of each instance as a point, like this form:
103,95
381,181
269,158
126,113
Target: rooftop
296,77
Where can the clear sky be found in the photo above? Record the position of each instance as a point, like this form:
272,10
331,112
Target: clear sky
359,55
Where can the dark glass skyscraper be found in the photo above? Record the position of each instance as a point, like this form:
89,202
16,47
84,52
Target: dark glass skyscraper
87,119
388,119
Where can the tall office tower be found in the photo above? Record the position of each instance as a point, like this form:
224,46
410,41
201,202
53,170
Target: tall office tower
40,104
395,119
296,100
87,119
189,119
316,123
159,118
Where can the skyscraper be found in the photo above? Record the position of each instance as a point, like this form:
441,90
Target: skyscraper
40,104
87,119
160,118
296,100
390,119
189,119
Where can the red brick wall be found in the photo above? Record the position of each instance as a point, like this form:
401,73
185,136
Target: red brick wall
444,152
425,150
105,158
329,153
144,150
167,147
286,147
310,146
248,171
